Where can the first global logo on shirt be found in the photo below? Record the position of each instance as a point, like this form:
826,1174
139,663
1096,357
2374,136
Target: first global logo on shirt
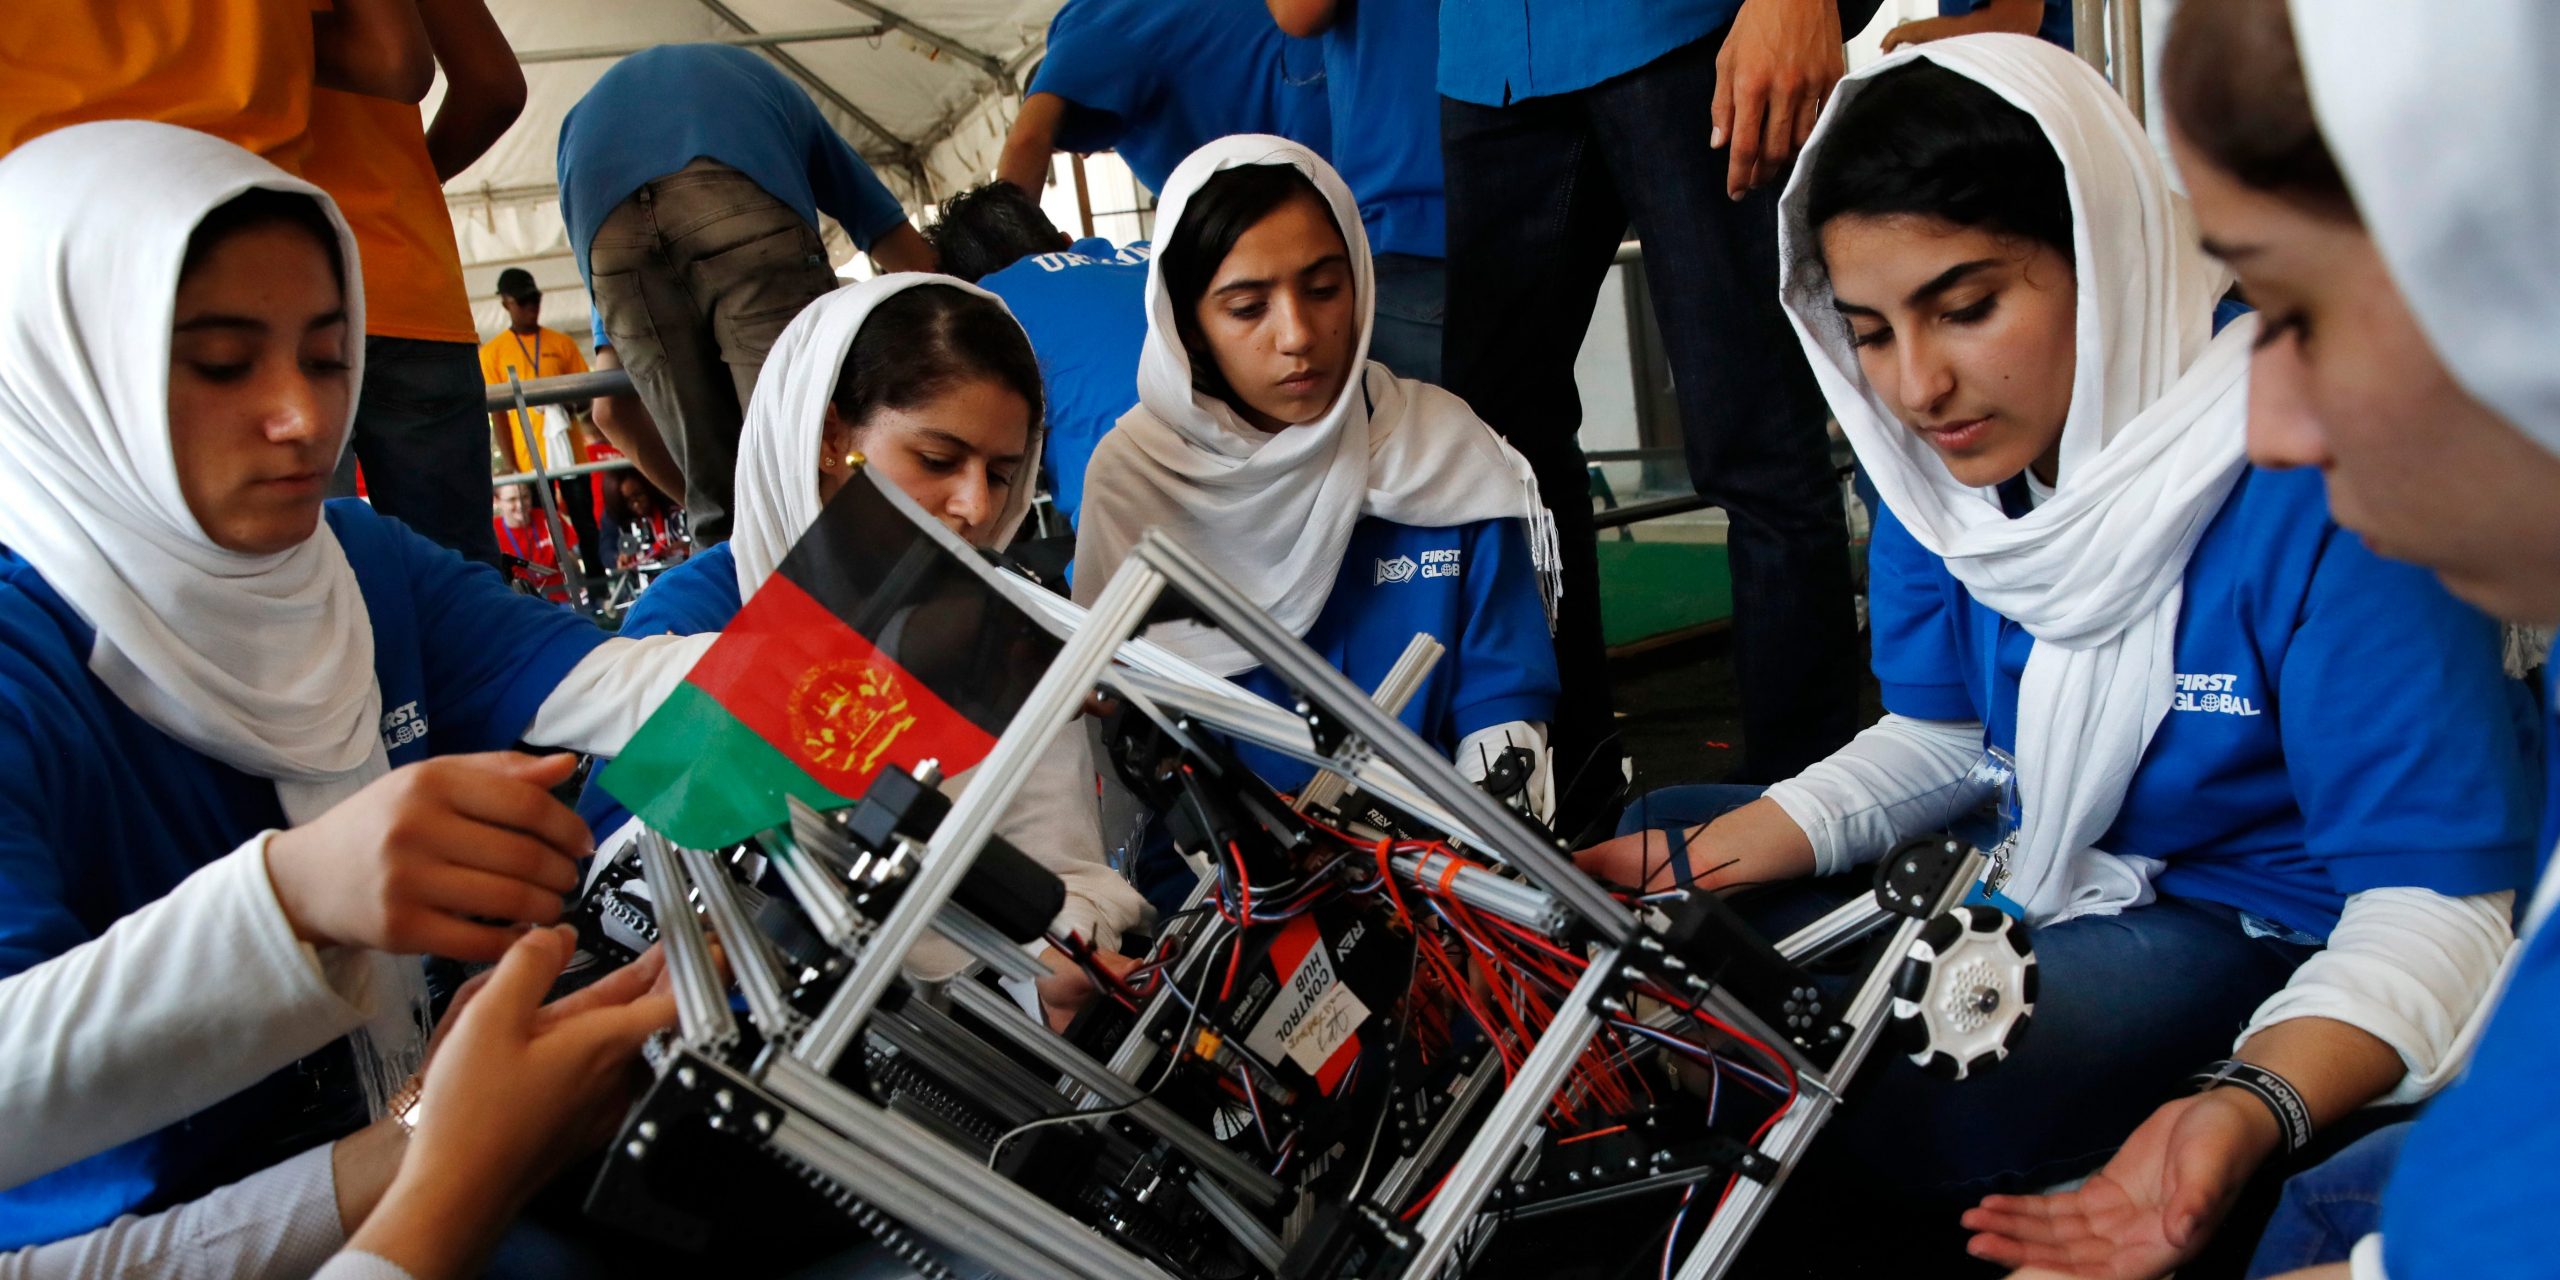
1442,563
2212,694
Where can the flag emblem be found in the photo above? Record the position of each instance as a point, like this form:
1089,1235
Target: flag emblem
847,714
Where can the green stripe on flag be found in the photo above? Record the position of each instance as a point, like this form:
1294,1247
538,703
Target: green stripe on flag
659,775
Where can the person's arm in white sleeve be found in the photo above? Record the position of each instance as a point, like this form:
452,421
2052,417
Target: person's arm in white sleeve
282,1221
1898,777
99,1026
2409,967
610,693
355,1264
2363,1264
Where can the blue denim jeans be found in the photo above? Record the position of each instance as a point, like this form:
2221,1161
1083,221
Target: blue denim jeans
2330,1206
424,442
1413,305
1540,192
2128,1007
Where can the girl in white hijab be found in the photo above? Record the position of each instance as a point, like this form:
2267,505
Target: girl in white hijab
932,385
2404,245
1356,507
2200,676
233,721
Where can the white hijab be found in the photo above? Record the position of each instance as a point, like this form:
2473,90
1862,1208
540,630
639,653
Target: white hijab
777,474
263,662
2448,133
2446,123
2152,446
1272,512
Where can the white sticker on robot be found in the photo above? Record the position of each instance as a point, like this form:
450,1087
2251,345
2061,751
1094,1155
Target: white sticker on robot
1332,1022
1278,1027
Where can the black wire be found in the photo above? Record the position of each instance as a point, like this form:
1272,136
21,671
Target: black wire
1173,1058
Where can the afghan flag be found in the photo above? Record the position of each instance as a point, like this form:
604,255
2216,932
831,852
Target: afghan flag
881,642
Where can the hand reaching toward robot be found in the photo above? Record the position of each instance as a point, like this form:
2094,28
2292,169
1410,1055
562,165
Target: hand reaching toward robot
517,1087
2149,1210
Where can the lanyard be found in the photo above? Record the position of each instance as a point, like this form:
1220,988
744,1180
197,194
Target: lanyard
534,355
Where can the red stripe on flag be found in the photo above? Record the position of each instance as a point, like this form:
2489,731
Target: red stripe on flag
826,697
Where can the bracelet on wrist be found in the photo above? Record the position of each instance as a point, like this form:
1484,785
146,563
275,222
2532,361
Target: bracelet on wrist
2279,1096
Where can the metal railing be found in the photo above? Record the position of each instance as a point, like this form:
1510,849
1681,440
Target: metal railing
523,397
2109,34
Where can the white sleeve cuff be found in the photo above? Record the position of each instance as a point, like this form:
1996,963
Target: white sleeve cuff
2411,967
1899,776
355,1264
611,692
2366,1262
282,1221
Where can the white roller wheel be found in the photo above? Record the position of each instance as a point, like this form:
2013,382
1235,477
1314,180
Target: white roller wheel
1965,991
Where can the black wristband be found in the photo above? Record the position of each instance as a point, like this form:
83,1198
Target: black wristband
2274,1090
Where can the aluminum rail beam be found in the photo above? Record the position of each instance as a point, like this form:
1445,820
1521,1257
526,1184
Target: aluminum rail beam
1010,1021
560,389
2089,32
751,956
573,574
1240,1223
1285,656
757,40
1420,655
1045,712
563,473
965,929
702,1002
1404,1178
928,1035
1498,1143
1843,925
1519,903
926,1183
1733,1220
2127,32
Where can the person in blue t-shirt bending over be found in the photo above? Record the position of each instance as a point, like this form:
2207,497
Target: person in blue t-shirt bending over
2268,779
2406,359
1152,81
928,383
691,178
253,744
1355,507
1083,302
1379,60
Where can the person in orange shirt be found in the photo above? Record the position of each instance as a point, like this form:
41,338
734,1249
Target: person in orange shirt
526,350
417,430
241,72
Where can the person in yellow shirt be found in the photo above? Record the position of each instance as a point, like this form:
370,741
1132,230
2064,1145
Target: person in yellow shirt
417,418
526,350
241,72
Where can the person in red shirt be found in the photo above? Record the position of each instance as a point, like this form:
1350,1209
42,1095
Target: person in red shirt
523,534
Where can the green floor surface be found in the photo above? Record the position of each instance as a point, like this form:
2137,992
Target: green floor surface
1650,589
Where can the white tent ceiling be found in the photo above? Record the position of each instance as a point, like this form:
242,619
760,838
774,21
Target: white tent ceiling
923,89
